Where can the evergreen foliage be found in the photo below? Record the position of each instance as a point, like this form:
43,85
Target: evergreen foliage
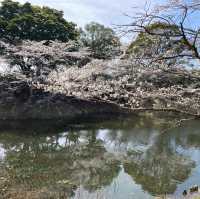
25,21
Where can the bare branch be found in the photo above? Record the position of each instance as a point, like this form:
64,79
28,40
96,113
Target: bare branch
172,18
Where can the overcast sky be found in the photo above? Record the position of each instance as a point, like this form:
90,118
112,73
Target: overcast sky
107,12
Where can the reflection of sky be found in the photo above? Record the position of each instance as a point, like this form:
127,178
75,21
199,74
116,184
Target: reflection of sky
2,152
135,142
193,153
122,187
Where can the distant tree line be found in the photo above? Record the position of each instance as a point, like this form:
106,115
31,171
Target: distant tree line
28,22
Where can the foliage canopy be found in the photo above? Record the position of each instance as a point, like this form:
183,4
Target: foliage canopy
25,21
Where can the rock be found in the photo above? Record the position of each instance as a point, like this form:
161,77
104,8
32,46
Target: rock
194,189
22,91
184,192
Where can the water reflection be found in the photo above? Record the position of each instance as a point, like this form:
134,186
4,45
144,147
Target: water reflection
129,158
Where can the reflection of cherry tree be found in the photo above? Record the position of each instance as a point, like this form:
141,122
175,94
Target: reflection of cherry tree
149,156
160,168
55,164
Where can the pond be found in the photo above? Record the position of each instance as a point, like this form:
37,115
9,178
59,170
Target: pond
139,157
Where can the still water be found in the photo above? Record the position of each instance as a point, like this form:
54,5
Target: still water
140,157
